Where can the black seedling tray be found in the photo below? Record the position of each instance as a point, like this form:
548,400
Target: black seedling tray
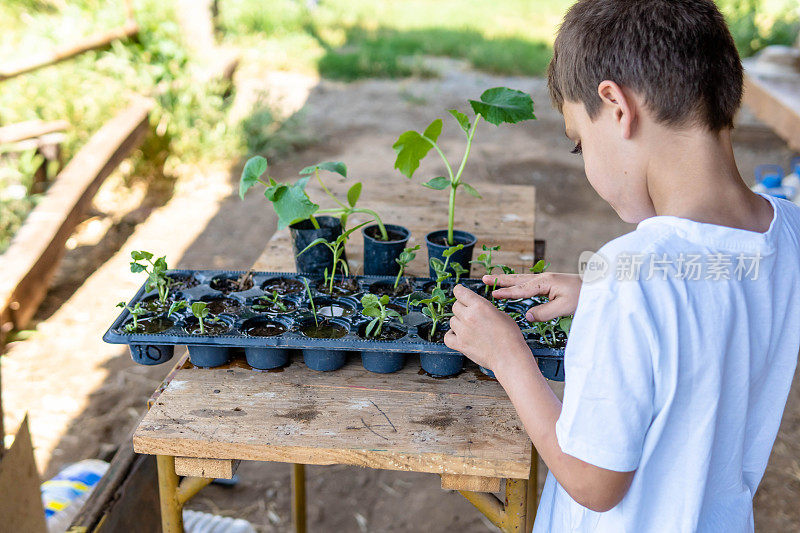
235,309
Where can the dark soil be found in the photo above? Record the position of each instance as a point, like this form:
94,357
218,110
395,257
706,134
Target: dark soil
153,325
183,281
264,328
375,233
331,308
341,287
283,285
442,241
217,306
388,333
387,288
227,284
325,330
153,305
211,328
265,305
425,329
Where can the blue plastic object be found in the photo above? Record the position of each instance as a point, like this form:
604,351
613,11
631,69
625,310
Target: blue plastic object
769,176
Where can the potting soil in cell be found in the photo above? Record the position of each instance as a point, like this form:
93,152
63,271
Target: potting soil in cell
231,322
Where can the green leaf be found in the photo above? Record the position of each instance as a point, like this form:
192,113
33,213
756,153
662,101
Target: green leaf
331,166
539,267
411,147
314,243
371,326
369,300
565,323
471,190
291,203
438,183
373,312
453,249
137,267
354,194
463,120
384,299
253,169
503,105
199,310
141,256
161,264
433,130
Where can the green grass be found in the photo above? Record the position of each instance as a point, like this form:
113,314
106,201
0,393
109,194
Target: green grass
355,39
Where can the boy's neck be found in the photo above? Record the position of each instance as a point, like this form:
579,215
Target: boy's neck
693,175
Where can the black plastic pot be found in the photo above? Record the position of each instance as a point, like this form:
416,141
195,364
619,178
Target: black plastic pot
151,354
324,360
318,258
383,362
208,356
436,249
266,358
487,371
379,256
441,364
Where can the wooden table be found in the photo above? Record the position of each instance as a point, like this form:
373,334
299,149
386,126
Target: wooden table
463,428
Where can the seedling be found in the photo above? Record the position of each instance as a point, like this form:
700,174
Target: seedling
485,259
274,300
440,267
375,307
311,301
497,106
200,312
337,249
180,305
405,257
458,270
548,330
353,194
156,273
136,311
435,308
291,202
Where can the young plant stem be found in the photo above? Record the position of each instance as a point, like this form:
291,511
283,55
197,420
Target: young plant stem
397,279
311,301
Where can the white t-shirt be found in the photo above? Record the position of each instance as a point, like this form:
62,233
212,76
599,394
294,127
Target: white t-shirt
682,377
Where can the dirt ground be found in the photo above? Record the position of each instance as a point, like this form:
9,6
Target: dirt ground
83,396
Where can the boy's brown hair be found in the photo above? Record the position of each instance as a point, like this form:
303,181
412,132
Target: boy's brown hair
678,55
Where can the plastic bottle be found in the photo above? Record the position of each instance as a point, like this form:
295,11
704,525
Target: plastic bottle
769,180
64,495
793,180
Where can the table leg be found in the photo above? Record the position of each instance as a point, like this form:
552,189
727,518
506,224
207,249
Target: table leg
171,510
533,485
299,497
516,508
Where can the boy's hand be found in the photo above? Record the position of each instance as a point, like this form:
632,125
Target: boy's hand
481,331
561,289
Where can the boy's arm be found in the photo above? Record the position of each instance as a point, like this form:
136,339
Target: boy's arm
596,488
593,487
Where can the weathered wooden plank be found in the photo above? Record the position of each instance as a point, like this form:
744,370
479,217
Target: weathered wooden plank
776,101
30,129
213,468
471,483
401,421
31,260
36,61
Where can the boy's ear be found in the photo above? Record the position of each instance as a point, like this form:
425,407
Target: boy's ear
622,104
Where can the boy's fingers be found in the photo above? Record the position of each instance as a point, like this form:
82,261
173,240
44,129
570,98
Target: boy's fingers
534,287
547,311
450,340
465,296
505,280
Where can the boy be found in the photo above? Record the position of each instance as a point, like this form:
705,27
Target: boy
680,358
